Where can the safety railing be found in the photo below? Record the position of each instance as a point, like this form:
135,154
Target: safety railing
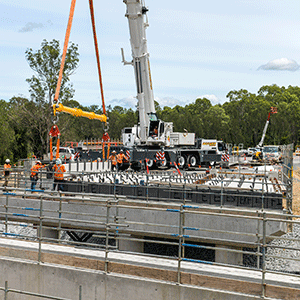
8,291
181,231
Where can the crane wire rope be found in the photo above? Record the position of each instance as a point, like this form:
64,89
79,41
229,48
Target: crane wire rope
58,106
97,53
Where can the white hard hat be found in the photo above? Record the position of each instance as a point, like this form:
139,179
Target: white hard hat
58,161
38,162
7,161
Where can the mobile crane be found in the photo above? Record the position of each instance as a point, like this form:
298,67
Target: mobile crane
273,110
153,141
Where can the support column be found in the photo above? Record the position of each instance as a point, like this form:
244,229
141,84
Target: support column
132,246
228,257
48,233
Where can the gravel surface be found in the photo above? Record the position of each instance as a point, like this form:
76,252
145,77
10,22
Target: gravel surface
287,248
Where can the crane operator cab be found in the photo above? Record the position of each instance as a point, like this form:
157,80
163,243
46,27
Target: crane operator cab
156,126
159,132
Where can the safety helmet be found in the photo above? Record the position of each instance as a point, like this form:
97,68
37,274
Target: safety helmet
7,161
58,161
114,151
121,150
38,162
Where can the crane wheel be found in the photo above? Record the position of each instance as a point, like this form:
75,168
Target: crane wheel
149,163
181,161
192,160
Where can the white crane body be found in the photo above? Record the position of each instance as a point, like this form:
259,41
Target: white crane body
152,136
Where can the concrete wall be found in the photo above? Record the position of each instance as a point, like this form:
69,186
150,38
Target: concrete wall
61,281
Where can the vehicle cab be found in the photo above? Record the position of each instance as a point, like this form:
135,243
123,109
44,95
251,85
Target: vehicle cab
271,152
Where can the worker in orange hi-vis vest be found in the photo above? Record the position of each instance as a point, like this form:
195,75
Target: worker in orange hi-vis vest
7,170
34,176
120,159
59,171
113,159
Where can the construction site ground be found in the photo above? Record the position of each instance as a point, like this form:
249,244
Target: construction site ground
296,192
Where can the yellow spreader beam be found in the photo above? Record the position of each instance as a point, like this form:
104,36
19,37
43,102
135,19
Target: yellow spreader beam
78,112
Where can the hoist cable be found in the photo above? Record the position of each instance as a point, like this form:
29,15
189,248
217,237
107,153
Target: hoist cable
97,53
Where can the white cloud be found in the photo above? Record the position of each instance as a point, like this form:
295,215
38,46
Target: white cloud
212,98
170,102
281,64
128,102
30,26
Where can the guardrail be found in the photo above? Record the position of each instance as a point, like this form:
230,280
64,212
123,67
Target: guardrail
6,291
104,227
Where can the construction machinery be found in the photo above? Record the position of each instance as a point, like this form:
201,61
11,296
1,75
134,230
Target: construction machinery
59,107
152,141
273,110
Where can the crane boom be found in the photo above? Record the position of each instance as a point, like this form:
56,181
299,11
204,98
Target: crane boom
137,20
273,110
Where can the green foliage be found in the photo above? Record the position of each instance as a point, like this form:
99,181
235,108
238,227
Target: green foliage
7,136
45,63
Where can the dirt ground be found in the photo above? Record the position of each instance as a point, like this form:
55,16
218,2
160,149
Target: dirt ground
296,192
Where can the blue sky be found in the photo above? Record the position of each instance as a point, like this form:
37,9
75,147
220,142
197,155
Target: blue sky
197,48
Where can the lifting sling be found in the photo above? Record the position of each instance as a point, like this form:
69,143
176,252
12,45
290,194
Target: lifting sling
58,107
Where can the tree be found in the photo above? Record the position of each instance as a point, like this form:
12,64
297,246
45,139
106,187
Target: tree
7,136
45,63
19,109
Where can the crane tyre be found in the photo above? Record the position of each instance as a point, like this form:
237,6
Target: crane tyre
149,163
192,160
164,163
181,161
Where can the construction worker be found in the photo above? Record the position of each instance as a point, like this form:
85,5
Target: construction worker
120,159
7,170
113,159
258,155
59,171
34,176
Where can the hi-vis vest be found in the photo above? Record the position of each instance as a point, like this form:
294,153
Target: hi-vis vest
59,172
113,159
120,157
35,169
7,169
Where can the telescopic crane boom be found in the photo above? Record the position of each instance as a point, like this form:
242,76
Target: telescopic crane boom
273,110
136,14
